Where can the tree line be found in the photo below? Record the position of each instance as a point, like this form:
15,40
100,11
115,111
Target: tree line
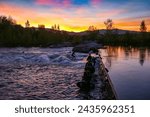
129,38
12,35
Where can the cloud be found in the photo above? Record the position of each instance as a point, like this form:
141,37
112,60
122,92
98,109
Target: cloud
96,2
45,2
17,12
54,3
67,3
72,17
110,13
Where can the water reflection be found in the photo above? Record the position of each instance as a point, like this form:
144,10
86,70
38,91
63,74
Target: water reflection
126,53
129,71
142,53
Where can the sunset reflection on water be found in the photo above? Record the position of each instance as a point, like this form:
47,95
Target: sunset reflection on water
129,70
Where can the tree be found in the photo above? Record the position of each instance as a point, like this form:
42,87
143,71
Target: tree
7,21
27,24
13,22
143,27
58,27
92,28
109,24
55,27
52,27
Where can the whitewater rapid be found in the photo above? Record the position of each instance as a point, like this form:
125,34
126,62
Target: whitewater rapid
40,73
40,56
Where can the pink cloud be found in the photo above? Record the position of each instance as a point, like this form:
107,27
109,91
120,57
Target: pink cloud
62,3
95,2
81,11
45,2
66,3
108,14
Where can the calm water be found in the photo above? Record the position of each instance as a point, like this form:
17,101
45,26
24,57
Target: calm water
129,70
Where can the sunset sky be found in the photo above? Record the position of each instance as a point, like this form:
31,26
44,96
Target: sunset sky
78,15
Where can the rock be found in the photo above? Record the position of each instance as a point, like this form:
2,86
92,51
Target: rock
86,47
85,86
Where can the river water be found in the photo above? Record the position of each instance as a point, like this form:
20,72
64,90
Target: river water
129,70
46,73
40,73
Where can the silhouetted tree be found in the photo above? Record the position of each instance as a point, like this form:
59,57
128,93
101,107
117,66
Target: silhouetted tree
58,27
13,21
109,24
55,27
7,21
143,27
52,27
27,24
92,28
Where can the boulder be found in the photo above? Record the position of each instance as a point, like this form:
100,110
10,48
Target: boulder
86,47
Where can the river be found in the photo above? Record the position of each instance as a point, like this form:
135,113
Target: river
40,73
129,70
46,73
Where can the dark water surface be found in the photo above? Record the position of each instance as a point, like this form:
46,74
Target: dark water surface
129,70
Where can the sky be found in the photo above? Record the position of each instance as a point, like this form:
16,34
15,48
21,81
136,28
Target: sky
78,15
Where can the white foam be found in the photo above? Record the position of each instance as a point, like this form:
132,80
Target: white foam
62,60
40,55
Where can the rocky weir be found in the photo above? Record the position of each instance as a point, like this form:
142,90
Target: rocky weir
96,83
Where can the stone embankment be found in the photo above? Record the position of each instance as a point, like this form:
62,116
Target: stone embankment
107,87
96,83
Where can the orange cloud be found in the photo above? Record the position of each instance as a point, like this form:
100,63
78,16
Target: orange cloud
131,24
54,16
22,14
18,13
